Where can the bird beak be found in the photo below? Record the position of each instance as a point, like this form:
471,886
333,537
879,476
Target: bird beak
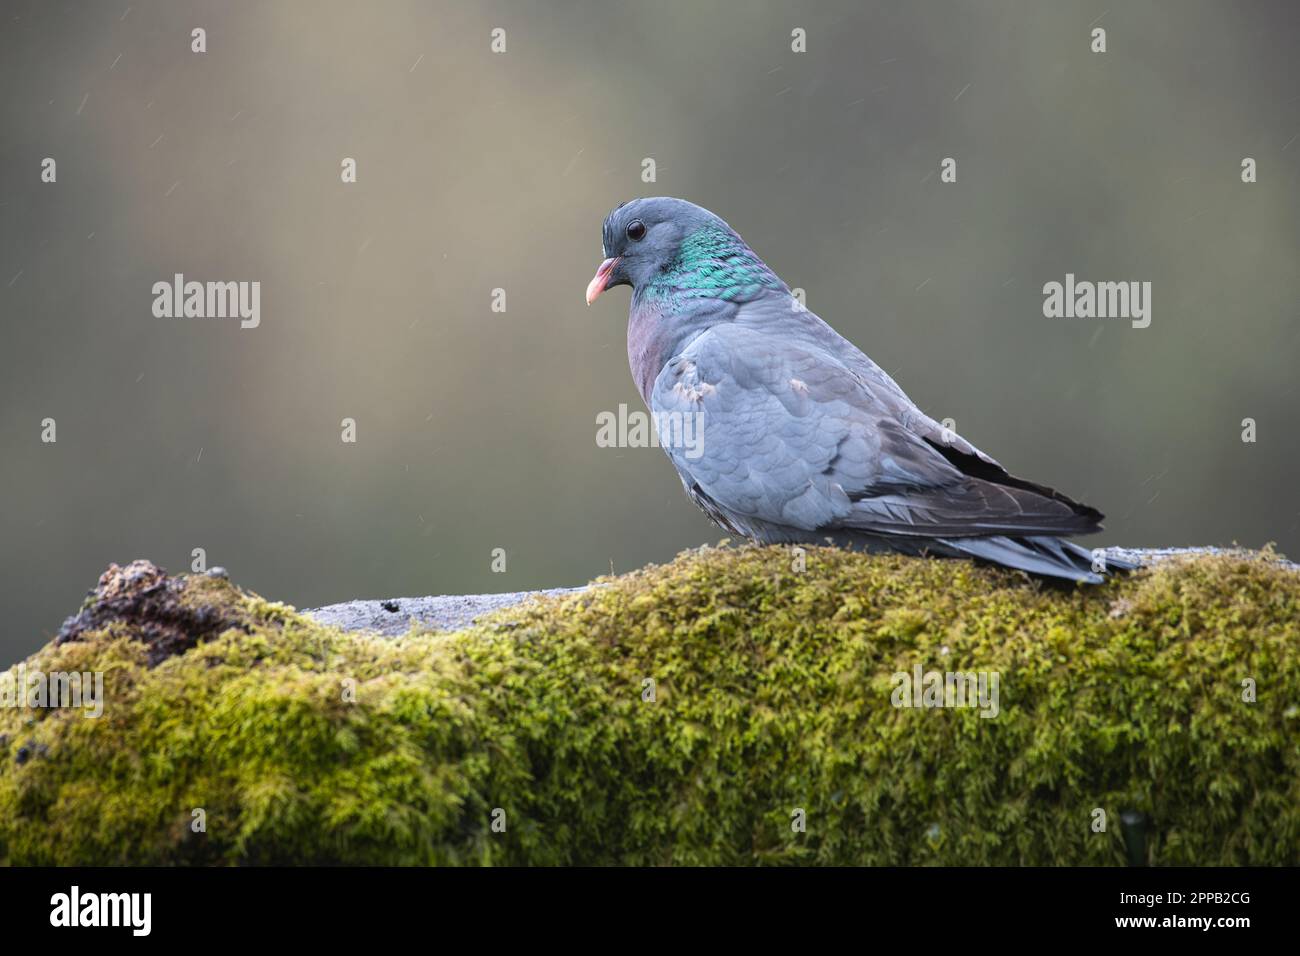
597,285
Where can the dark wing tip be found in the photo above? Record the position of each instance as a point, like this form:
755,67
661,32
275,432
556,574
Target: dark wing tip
1089,517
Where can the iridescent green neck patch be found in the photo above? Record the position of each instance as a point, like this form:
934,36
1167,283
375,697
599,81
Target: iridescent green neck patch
713,263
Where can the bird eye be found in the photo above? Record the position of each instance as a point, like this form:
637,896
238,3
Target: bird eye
636,230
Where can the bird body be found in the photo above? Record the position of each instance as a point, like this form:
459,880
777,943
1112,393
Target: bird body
804,437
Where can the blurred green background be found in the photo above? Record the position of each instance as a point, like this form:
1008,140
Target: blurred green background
476,429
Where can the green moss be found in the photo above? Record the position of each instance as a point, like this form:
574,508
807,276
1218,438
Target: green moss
773,692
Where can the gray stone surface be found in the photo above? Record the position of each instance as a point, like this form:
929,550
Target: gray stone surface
450,612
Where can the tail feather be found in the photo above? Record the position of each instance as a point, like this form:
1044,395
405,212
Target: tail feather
1038,554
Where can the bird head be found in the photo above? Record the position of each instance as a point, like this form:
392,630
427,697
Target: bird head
642,239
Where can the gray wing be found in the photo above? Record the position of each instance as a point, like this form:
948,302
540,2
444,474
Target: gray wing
792,439
782,315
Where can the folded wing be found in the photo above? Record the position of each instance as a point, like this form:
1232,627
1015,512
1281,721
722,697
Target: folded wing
793,437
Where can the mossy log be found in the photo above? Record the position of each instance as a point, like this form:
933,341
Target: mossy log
736,706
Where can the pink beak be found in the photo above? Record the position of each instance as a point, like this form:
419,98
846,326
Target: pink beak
597,285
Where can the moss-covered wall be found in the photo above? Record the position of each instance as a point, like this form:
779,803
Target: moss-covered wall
773,693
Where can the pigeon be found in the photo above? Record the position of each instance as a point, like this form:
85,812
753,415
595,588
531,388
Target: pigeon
801,437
